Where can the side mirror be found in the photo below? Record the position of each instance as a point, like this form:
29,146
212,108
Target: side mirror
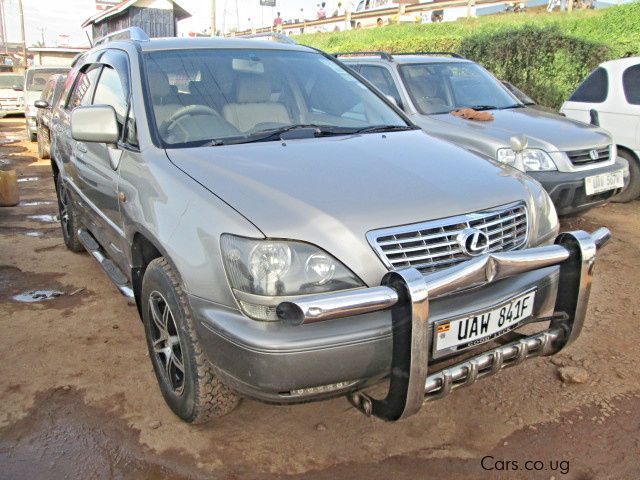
95,123
17,88
41,104
594,118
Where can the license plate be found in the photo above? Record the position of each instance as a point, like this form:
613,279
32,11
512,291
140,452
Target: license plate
603,182
467,332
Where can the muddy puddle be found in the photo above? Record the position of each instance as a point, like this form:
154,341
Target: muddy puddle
46,218
31,232
37,296
61,437
25,288
35,203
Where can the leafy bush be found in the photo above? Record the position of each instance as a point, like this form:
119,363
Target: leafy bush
543,62
546,55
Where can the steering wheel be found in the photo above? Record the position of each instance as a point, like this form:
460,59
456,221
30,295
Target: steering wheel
190,110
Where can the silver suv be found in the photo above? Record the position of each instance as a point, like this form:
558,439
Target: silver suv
287,234
577,163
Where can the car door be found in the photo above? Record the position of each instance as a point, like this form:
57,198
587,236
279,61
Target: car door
630,136
591,94
97,163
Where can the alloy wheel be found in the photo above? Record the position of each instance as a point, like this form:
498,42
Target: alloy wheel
165,342
65,205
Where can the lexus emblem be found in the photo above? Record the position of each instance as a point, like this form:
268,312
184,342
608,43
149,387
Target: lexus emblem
594,154
473,242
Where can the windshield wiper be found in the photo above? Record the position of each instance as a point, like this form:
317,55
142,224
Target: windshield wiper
385,128
302,130
516,105
479,108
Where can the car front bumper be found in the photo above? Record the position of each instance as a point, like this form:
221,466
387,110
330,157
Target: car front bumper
567,189
340,342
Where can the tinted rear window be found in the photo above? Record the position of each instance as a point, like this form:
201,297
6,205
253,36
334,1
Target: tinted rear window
593,89
631,84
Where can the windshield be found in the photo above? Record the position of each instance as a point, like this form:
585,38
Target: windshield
443,87
37,79
213,96
8,81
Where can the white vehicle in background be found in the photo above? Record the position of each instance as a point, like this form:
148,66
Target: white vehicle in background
35,81
610,97
11,93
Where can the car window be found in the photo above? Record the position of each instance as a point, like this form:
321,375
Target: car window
47,93
382,79
201,95
631,84
442,87
36,80
83,87
109,91
8,81
593,89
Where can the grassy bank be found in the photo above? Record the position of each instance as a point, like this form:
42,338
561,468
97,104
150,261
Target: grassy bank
544,54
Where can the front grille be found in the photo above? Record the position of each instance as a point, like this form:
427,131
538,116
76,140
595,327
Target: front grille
586,156
430,246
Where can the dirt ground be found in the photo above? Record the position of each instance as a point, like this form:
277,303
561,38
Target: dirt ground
78,398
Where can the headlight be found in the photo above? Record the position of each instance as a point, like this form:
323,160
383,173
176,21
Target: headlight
529,160
544,219
261,272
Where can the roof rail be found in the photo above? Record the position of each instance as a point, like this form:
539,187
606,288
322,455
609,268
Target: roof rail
379,53
451,54
132,33
277,36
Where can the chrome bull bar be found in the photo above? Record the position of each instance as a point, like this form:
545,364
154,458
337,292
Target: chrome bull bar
407,292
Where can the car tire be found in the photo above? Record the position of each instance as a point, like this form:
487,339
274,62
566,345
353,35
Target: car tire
43,152
30,135
633,190
187,380
68,221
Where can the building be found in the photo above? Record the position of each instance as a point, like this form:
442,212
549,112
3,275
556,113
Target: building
158,18
54,56
102,5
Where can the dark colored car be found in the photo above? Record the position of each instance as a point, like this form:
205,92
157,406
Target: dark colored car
50,96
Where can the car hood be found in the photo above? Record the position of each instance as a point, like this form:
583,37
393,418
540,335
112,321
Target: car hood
546,130
332,191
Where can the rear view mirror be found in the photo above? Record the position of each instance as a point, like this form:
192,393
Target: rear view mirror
41,104
17,88
96,123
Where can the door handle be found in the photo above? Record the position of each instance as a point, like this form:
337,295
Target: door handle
82,147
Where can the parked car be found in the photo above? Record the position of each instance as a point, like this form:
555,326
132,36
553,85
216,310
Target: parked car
288,234
610,97
576,163
48,99
526,99
10,94
35,81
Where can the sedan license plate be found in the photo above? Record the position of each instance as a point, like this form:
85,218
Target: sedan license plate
603,182
467,332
